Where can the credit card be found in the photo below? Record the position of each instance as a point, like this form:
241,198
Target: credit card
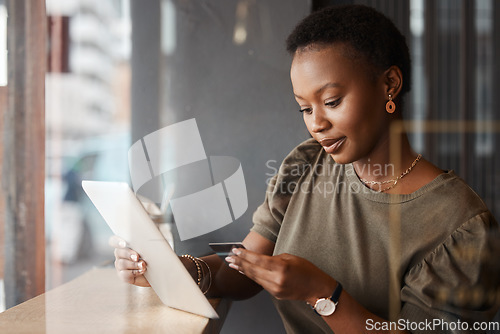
223,249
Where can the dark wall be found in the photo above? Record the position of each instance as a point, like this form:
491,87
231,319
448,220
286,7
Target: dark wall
240,94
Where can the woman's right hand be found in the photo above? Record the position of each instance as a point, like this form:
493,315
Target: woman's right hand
128,263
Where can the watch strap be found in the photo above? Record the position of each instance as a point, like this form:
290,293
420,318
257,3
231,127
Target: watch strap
336,293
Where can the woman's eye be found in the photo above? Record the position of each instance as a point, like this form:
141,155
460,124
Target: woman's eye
333,103
305,110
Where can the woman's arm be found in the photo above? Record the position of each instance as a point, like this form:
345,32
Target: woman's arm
225,281
229,283
287,276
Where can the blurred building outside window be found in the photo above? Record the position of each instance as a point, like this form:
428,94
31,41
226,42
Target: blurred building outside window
87,127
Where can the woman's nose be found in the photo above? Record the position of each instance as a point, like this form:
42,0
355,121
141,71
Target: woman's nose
319,121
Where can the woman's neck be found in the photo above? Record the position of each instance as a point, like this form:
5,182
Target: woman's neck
380,165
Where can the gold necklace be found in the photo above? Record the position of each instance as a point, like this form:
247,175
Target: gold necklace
393,181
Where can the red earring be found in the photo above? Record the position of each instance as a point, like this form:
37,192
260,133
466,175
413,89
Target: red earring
390,107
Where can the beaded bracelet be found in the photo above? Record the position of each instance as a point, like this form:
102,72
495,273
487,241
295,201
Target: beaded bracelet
197,264
209,275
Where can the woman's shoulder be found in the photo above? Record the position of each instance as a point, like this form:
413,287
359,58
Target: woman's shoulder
452,189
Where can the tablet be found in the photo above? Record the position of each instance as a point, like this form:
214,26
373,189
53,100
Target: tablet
168,277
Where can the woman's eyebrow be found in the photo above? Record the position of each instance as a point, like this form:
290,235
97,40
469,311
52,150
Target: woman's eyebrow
322,88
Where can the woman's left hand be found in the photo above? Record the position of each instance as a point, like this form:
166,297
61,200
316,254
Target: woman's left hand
284,276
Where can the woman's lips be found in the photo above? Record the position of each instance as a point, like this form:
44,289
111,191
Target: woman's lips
332,145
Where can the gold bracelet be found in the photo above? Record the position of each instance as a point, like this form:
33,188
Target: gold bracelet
197,264
209,275
202,273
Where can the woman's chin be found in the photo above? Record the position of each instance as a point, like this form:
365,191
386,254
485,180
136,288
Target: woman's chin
340,159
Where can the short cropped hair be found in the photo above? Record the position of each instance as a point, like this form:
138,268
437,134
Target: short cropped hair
369,33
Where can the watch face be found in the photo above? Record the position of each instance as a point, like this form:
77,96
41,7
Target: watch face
325,306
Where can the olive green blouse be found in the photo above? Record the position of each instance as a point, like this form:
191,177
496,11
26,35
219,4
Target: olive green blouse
437,247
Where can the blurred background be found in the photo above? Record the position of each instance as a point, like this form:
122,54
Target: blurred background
117,70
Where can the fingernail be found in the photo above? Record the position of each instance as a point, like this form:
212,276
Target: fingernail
232,265
122,244
134,257
236,251
141,265
229,259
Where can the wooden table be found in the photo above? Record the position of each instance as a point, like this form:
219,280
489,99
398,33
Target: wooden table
98,302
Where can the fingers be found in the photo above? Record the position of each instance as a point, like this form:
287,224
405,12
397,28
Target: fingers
254,258
117,242
121,251
126,256
256,266
131,271
128,263
134,276
127,253
128,260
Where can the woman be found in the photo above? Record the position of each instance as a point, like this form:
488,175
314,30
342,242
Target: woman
322,242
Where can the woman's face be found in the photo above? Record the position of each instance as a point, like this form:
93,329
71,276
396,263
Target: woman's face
342,103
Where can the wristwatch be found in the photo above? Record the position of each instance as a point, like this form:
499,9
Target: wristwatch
326,306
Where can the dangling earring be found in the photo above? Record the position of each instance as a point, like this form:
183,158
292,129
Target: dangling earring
390,107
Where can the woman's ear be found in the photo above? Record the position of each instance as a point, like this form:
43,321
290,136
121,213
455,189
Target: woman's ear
393,79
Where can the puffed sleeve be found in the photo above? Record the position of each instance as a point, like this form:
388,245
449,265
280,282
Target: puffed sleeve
457,282
269,215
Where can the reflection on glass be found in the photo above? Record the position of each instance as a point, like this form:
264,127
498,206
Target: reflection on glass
417,27
240,28
484,76
168,30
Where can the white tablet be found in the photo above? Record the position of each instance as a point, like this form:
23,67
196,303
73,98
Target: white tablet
127,218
